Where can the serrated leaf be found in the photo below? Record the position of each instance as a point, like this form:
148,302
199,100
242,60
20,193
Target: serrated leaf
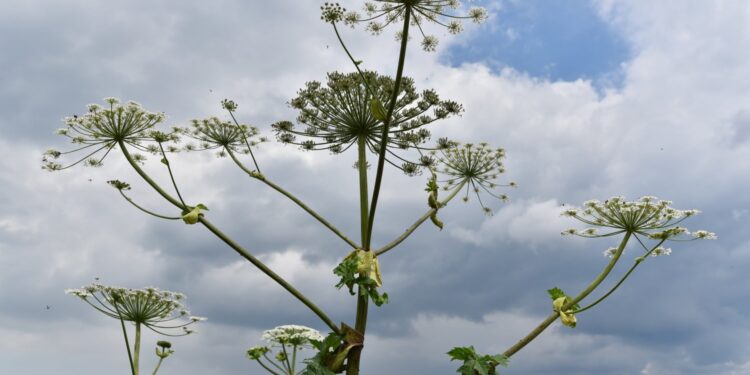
462,353
555,293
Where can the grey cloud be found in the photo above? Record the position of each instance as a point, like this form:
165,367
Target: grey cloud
662,134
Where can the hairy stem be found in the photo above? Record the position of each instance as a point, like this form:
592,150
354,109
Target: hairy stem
293,198
419,222
552,317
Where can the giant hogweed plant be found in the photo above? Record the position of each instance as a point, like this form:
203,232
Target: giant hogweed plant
385,120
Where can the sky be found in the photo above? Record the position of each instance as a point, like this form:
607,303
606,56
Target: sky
590,99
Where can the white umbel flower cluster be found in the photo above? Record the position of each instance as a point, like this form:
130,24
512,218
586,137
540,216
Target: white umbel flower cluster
292,335
647,216
154,308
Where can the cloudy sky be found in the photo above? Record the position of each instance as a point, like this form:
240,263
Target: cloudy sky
591,99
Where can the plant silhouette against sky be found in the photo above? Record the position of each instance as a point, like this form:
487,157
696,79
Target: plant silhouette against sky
386,121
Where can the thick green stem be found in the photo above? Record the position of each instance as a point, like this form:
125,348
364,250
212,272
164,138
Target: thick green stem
148,179
130,200
235,246
263,268
386,123
137,348
360,323
419,222
294,199
363,193
552,317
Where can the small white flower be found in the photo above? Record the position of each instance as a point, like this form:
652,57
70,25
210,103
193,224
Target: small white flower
659,251
293,335
429,43
609,253
704,235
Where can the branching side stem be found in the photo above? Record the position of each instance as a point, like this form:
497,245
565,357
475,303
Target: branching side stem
419,222
293,198
235,246
386,124
552,317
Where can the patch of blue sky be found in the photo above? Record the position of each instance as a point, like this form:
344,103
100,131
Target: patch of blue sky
550,39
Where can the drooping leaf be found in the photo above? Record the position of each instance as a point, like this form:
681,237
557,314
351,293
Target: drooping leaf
377,109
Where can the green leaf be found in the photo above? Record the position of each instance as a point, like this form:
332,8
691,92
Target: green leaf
555,293
377,109
192,216
436,221
462,353
500,359
474,363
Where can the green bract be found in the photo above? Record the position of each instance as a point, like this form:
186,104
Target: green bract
194,214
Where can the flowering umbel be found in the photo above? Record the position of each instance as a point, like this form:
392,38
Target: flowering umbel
477,167
338,114
159,310
213,133
648,216
100,130
379,14
288,339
